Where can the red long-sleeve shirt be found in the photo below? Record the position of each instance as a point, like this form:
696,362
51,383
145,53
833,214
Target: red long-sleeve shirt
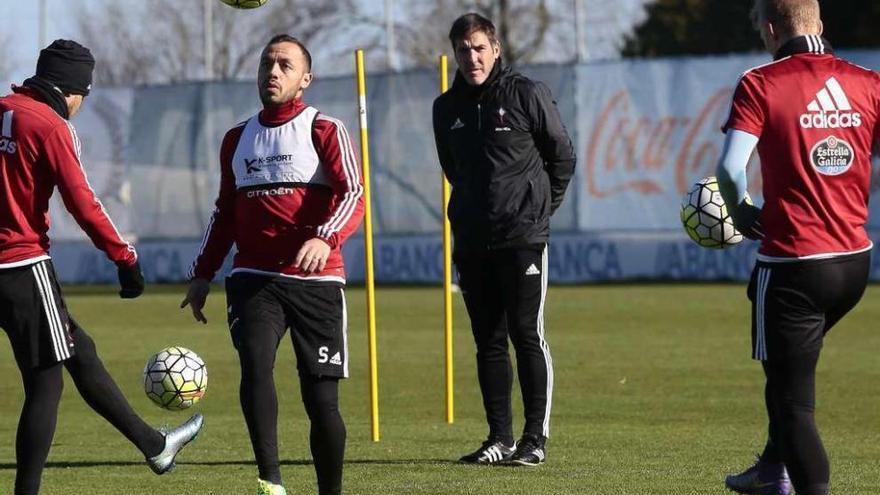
39,150
817,117
271,201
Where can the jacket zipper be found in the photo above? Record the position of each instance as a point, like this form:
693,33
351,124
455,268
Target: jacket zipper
479,129
479,118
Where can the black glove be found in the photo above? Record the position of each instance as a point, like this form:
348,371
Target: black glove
131,279
747,220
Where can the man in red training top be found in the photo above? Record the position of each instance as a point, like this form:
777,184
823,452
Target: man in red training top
290,194
39,150
813,118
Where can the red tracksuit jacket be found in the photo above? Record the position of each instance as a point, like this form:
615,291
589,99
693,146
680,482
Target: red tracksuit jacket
817,117
39,150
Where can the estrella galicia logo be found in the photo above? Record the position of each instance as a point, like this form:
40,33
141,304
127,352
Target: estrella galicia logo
832,156
251,165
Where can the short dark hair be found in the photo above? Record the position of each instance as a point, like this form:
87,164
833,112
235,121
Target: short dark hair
469,23
286,38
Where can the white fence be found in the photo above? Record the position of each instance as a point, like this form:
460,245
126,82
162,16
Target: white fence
644,131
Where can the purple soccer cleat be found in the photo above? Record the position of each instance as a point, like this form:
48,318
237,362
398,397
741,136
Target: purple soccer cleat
761,479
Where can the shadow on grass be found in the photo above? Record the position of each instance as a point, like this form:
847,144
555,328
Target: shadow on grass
288,462
307,462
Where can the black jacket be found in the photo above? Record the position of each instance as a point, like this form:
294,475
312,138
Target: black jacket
508,157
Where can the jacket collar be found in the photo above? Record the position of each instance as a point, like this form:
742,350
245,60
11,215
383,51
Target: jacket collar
272,116
46,92
810,43
459,84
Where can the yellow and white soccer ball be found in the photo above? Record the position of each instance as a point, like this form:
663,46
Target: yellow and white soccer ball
175,378
245,4
706,218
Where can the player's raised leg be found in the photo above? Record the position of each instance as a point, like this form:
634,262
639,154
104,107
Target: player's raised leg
101,393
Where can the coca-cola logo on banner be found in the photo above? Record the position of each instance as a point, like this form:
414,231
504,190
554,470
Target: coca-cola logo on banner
628,150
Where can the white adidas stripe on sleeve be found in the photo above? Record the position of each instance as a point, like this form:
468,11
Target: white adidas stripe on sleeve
7,124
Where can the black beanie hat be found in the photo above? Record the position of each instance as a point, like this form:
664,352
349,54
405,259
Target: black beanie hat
68,65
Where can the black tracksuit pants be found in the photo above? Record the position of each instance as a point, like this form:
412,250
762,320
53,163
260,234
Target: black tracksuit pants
794,305
504,291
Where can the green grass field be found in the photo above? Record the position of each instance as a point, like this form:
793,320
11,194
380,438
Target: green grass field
655,394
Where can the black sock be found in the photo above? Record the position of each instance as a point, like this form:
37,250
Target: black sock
771,449
101,393
821,489
327,439
42,388
793,380
259,401
770,454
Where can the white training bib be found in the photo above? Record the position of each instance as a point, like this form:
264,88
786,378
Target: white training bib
272,155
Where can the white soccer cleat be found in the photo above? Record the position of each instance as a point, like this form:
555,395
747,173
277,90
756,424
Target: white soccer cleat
175,440
491,452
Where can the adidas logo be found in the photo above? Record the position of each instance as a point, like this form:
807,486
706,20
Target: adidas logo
336,359
533,270
7,144
831,109
457,125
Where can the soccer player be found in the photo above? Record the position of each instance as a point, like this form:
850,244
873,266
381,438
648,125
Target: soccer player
504,150
39,150
290,194
813,118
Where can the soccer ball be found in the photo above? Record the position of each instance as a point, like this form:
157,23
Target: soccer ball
175,378
705,217
245,4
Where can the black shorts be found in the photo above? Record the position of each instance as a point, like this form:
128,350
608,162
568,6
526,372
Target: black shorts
34,315
795,304
315,312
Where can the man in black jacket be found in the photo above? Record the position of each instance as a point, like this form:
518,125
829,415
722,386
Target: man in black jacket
509,159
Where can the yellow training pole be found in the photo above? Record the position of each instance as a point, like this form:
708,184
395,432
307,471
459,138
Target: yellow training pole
447,273
368,246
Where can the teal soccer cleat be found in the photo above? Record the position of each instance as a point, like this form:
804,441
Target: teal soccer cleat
175,440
